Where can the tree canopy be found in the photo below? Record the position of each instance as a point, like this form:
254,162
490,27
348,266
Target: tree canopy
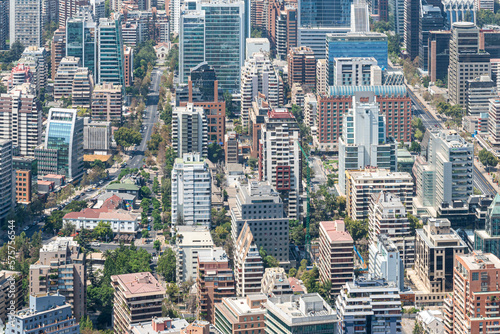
166,265
126,137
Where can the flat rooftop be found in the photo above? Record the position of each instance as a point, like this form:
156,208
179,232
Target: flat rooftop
479,260
216,254
138,284
194,236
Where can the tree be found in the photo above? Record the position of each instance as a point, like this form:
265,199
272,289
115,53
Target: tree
415,147
487,158
145,191
414,223
145,233
252,162
157,245
103,231
156,185
230,108
127,137
357,229
215,152
166,265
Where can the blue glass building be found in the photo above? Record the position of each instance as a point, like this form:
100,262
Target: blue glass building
191,42
488,240
324,13
81,38
111,51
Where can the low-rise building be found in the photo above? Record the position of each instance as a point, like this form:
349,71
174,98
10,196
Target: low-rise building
23,186
431,321
239,315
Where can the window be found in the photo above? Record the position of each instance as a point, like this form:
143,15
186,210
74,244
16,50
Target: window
475,276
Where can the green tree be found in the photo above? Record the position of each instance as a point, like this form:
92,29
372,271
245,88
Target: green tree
292,272
145,233
157,245
252,162
415,223
145,191
103,231
357,229
415,147
127,137
215,152
230,108
156,185
166,265
487,158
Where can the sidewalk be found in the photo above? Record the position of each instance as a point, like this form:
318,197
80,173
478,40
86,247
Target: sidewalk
487,176
429,107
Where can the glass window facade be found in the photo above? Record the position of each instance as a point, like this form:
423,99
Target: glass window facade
111,52
325,13
192,43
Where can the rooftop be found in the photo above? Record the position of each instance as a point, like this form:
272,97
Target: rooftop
175,326
479,260
335,231
138,284
193,236
60,244
301,310
241,305
216,254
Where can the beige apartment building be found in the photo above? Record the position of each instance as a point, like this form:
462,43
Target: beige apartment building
241,315
106,102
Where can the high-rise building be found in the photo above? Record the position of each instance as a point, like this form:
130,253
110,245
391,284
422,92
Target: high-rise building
466,61
485,5
360,17
110,50
26,22
23,186
431,19
128,65
233,314
302,67
49,313
42,70
10,281
286,31
411,27
248,265
6,178
493,122
63,83
189,130
364,142
336,255
62,151
324,13
275,282
67,9
474,280
191,42
479,92
386,261
321,76
129,289
106,102
356,72
98,9
258,75
21,119
4,24
360,306
58,51
81,38
488,240
397,9
191,191
215,281
61,256
438,55
81,91
459,11
265,225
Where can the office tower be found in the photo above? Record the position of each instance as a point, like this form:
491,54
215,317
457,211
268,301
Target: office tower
459,11
388,216
26,22
98,9
386,262
411,27
488,240
493,122
321,76
362,184
397,9
479,92
106,103
436,247
189,130
61,255
286,31
364,142
299,313
336,257
58,51
360,17
68,9
466,61
356,45
129,289
42,70
81,91
63,83
96,136
258,75
474,279
110,51
302,67
489,41
62,151
438,55
4,24
191,42
235,313
22,119
215,281
10,281
6,178
194,239
446,177
275,282
248,266
128,65
280,158
266,224
359,306
431,19
356,72
191,191
81,42
379,10
48,313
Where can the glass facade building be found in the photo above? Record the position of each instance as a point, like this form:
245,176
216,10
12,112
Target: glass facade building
81,39
191,42
111,51
488,240
324,13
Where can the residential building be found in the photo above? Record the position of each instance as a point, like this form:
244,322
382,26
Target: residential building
302,67
26,163
98,9
61,257
388,216
96,136
431,19
162,325
321,76
248,265
361,184
191,191
364,142
231,150
215,281
298,313
310,109
259,205
479,92
286,29
58,50
106,102
63,83
4,24
41,54
466,60
130,32
189,130
386,261
488,240
83,84
436,248
19,75
431,321
68,9
128,65
493,119
129,289
256,45
475,280
62,150
370,306
23,186
10,282
21,118
275,282
356,72
280,158
81,34
189,241
297,95
110,51
7,196
48,313
238,315
336,255
26,22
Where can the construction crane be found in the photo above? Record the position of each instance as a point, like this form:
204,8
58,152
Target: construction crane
308,235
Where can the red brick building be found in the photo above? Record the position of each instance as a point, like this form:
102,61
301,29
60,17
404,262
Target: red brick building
302,67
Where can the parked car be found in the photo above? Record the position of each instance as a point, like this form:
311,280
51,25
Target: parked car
95,244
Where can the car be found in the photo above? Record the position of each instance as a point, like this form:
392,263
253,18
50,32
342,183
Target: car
26,228
89,190
77,197
95,244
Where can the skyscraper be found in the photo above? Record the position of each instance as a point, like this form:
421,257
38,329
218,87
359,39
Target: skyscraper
26,22
4,24
81,33
411,24
431,19
189,130
6,178
58,50
191,42
110,51
324,13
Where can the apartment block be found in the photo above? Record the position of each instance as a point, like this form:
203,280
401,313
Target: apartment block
4,24
386,261
10,282
106,103
286,29
138,298
61,268
81,92
128,65
362,184
58,50
7,196
275,282
238,315
321,76
231,148
336,255
494,121
63,83
23,186
248,265
215,281
26,22
479,92
302,67
41,55
189,130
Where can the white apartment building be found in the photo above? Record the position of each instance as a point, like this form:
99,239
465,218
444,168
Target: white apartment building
321,76
479,92
121,221
310,109
189,130
40,54
35,68
386,262
248,265
494,121
63,83
191,191
356,71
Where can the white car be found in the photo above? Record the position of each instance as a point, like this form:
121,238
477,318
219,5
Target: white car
95,244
